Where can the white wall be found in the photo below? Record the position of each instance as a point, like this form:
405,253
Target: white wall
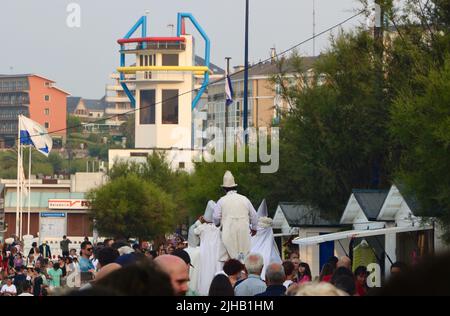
85,181
174,157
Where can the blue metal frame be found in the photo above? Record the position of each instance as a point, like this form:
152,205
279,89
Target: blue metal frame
207,52
142,22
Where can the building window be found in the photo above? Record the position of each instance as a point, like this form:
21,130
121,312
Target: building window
170,59
138,154
170,106
47,98
47,84
147,107
181,165
47,125
47,111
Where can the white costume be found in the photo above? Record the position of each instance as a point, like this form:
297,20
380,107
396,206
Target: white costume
263,242
210,250
193,250
235,213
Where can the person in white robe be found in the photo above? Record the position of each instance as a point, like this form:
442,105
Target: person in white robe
210,249
264,242
237,217
193,250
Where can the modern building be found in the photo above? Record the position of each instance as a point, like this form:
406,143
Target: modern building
169,87
57,207
265,102
36,97
119,103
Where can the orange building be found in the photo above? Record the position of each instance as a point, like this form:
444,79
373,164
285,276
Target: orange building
36,97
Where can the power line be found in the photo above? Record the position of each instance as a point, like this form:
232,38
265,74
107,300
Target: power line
213,82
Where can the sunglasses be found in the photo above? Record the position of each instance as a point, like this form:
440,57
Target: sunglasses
89,249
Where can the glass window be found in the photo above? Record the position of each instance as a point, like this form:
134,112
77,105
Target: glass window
47,111
47,98
170,106
170,59
47,125
147,107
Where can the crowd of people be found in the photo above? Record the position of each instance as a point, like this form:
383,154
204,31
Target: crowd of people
230,251
120,267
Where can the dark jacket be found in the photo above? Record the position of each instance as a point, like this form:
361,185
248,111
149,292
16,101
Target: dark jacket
48,253
274,290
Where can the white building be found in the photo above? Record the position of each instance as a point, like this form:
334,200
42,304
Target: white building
167,89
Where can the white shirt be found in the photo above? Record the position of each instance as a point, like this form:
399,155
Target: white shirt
287,283
25,294
9,289
217,215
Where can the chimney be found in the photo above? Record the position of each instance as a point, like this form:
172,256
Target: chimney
238,68
273,55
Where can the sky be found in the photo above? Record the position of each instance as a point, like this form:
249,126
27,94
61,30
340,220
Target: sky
35,37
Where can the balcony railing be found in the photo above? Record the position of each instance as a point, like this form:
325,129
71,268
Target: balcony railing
117,99
112,87
174,46
114,111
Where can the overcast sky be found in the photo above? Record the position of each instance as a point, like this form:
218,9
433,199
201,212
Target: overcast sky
35,37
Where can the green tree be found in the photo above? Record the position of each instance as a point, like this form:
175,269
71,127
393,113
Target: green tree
56,161
73,124
421,126
335,137
129,206
157,170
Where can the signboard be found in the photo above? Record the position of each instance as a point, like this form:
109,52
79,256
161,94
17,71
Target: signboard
52,227
47,214
68,204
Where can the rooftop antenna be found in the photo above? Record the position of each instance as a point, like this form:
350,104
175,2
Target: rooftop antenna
172,27
314,27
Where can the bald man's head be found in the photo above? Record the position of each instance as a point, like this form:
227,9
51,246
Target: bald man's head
178,271
345,262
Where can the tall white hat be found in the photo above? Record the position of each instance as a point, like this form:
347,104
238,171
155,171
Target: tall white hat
228,180
262,210
208,216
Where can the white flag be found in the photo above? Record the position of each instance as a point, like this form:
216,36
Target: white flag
33,133
22,182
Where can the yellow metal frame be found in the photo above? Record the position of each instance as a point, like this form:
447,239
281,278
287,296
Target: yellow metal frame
132,70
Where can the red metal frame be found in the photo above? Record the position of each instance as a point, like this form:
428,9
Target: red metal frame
150,39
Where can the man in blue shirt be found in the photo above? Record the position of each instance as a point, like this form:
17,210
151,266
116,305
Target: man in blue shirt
86,252
253,285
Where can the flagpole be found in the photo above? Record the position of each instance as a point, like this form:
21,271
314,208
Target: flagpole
226,106
18,175
21,194
29,190
245,112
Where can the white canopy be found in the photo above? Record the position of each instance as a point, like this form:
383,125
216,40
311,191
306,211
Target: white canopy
356,233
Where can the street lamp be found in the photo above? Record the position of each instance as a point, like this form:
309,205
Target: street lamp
245,112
